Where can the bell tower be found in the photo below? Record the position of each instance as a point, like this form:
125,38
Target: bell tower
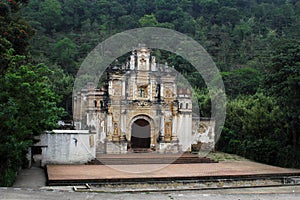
143,59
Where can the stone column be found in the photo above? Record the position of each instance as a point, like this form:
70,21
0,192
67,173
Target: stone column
132,61
83,109
109,127
150,90
161,91
162,128
110,87
134,89
174,129
123,125
78,114
180,128
75,108
123,88
153,63
175,90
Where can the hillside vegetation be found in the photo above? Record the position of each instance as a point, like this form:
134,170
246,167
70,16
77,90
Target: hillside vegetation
254,43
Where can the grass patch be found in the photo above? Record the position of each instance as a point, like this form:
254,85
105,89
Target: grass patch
223,157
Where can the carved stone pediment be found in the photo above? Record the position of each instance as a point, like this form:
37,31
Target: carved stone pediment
142,103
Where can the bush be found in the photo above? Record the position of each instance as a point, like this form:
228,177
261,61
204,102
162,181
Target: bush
8,177
255,129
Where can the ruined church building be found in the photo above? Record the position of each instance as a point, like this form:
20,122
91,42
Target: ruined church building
140,108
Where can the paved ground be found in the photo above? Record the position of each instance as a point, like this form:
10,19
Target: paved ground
286,193
31,178
30,184
119,172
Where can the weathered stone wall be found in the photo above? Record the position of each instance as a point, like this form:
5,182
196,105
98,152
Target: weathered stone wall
203,135
67,147
141,89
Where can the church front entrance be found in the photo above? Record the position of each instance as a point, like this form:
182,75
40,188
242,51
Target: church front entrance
140,134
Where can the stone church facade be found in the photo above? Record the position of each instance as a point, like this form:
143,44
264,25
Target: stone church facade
141,108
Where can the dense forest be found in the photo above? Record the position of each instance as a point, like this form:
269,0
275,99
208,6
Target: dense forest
254,43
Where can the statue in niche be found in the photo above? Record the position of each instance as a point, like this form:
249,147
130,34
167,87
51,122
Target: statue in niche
168,93
117,91
116,129
153,63
143,91
143,63
116,136
153,60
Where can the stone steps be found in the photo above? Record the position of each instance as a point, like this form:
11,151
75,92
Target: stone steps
148,158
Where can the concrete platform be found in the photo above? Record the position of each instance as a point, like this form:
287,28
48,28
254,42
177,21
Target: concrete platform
76,174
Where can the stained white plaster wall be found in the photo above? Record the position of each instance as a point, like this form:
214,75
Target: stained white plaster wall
67,147
184,125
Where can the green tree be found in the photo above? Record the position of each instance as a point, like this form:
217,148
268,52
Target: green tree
282,80
244,81
208,7
14,32
27,102
74,13
254,128
127,22
50,15
65,51
148,20
62,85
228,15
27,108
204,101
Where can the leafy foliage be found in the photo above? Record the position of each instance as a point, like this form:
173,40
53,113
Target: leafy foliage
14,32
242,81
254,128
27,108
28,105
254,44
283,81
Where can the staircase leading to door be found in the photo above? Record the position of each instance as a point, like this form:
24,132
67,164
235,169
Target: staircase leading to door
149,158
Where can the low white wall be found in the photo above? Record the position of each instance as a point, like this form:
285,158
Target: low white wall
67,147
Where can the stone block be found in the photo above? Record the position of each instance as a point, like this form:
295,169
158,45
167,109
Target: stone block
116,147
168,148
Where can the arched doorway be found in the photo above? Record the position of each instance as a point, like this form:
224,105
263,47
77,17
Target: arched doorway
140,134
